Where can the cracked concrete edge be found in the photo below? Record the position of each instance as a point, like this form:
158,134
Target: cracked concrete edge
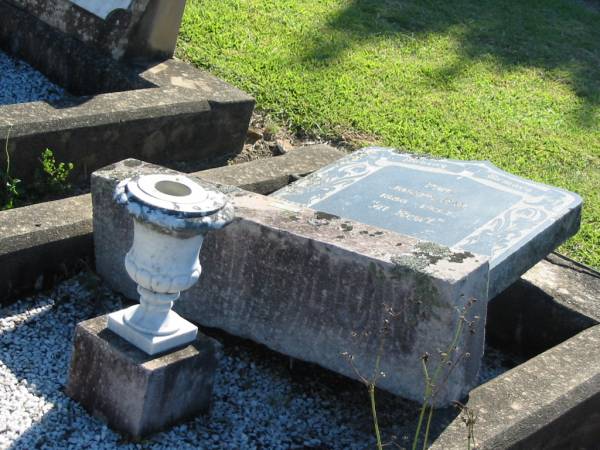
264,176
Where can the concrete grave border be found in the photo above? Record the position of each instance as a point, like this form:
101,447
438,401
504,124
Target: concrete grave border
550,402
161,112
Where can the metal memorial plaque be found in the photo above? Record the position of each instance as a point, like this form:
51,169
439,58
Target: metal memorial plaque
102,8
471,205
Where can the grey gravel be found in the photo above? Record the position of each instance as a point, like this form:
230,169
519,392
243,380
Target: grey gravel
21,83
261,400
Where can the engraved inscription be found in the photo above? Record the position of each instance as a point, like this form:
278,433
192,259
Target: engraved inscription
433,201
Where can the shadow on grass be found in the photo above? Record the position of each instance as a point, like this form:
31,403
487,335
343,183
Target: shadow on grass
559,37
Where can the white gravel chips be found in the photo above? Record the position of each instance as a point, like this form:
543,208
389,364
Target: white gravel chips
21,83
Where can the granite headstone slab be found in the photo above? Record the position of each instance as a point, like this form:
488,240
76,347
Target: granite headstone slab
125,29
471,205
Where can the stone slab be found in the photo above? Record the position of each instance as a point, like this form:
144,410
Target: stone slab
551,402
471,205
37,243
132,392
312,286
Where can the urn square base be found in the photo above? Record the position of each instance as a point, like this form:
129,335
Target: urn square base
135,393
152,344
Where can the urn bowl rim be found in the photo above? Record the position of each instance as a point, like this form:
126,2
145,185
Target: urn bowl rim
175,193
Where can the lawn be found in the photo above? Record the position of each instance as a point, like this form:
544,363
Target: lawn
513,82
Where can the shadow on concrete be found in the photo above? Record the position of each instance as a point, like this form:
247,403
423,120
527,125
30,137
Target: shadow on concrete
527,321
560,37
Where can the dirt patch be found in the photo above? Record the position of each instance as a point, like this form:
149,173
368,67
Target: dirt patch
267,138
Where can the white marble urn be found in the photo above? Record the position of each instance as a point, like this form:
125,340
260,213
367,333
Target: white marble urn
171,216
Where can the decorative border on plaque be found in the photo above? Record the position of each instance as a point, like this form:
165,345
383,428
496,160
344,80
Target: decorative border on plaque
537,207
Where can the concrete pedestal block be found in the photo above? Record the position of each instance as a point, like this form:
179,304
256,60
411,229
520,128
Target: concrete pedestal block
134,393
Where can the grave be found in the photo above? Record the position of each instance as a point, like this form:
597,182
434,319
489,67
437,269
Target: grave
324,259
313,283
471,205
524,407
124,94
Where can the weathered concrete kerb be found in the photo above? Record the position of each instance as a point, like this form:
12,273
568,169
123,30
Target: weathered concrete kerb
41,242
551,402
312,286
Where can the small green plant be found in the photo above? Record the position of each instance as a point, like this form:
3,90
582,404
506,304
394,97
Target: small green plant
54,176
8,184
271,127
51,179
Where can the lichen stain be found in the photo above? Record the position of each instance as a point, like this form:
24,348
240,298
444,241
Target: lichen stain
346,227
320,215
460,257
434,253
425,295
291,218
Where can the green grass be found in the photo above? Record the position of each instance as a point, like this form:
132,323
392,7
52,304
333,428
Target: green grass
514,82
